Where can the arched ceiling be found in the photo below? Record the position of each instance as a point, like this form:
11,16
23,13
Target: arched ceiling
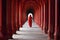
26,4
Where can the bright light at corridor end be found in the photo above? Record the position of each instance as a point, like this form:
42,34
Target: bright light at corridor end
30,14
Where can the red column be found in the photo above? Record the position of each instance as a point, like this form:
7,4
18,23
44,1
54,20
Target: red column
38,18
42,15
13,12
1,35
17,15
51,19
4,26
20,14
9,25
45,26
57,20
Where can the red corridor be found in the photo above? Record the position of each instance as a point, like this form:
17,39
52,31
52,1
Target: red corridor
14,14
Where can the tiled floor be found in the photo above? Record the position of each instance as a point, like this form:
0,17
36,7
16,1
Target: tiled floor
27,33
